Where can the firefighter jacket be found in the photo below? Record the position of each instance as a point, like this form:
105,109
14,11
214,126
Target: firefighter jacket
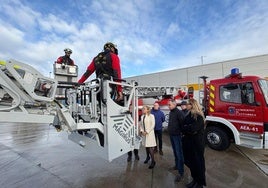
65,60
106,64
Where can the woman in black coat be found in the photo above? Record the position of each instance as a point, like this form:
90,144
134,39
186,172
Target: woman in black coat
193,143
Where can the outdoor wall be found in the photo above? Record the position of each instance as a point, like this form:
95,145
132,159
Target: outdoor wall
257,65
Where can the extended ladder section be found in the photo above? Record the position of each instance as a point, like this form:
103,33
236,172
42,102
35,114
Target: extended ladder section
91,115
155,91
25,94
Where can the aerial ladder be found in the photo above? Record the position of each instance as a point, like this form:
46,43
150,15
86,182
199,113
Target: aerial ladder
92,118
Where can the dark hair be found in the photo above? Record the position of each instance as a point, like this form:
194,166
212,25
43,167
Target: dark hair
173,101
184,103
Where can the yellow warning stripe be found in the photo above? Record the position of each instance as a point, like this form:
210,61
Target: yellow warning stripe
211,109
212,102
16,67
212,95
212,88
212,98
4,63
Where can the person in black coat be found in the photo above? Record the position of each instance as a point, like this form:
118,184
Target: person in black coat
175,123
193,143
184,107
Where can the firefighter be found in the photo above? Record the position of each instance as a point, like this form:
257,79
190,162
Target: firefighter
106,65
66,59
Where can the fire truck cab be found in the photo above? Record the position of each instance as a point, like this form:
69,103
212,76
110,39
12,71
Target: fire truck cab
236,109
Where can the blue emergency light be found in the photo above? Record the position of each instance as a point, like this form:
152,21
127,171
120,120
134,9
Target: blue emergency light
234,71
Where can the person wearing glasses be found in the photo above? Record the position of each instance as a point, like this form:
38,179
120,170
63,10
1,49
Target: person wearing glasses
193,143
66,59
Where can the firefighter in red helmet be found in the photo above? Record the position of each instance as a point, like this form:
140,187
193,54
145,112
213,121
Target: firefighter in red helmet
106,65
66,59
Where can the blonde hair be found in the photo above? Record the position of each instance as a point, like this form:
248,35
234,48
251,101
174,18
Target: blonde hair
196,109
147,108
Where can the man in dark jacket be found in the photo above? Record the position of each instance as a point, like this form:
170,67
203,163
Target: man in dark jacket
175,124
159,117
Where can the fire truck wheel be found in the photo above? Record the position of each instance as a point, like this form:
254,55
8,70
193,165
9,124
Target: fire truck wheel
216,138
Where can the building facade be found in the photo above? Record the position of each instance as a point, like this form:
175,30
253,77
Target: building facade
190,76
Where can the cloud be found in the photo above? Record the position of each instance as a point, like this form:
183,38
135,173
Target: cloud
240,33
10,38
52,23
151,36
173,29
86,39
18,14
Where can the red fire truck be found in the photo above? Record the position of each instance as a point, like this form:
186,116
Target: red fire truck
236,109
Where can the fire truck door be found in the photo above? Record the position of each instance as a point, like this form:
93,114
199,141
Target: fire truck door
242,108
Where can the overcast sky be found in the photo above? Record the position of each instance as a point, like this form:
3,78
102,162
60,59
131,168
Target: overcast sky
151,35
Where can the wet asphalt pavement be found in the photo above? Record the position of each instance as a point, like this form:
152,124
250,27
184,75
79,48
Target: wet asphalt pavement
37,156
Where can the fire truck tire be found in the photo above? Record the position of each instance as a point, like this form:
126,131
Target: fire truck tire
216,138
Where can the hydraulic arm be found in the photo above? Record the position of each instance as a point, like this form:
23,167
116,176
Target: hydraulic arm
89,113
91,117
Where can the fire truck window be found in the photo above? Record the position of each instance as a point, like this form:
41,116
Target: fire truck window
247,93
264,87
230,94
